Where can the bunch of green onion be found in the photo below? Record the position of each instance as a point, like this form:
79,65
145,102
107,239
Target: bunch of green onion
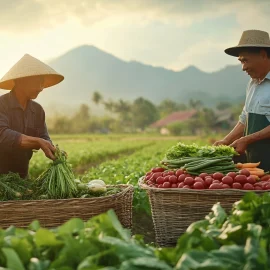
57,182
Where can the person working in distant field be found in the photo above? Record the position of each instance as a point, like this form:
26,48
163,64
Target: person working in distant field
22,121
252,133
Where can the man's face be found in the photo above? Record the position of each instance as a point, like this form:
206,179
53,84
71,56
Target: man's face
31,86
252,64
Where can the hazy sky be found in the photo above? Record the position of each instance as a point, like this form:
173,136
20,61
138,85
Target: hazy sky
169,33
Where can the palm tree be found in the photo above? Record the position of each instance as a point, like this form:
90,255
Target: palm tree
97,97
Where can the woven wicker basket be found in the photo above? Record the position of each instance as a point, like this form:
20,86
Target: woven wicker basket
52,213
173,210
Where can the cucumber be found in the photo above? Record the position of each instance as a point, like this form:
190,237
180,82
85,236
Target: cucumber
207,164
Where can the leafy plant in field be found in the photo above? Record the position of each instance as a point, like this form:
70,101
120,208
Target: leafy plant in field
219,242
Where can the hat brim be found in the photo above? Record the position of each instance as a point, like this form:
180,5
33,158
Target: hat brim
235,51
49,80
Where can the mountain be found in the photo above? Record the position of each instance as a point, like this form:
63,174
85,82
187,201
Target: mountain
88,69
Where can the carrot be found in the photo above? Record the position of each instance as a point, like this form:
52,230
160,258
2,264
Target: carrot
256,177
256,171
239,165
248,165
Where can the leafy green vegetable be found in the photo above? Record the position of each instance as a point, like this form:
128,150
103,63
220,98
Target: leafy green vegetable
58,180
193,150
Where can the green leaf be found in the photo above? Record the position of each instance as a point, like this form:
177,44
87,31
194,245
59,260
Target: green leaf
22,247
144,263
36,264
44,237
34,226
117,225
72,226
13,260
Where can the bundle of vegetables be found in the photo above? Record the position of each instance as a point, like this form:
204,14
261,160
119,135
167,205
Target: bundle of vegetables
198,165
182,150
252,168
240,240
57,182
12,186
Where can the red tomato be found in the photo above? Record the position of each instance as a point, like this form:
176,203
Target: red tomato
173,179
218,175
188,175
186,186
149,183
167,178
244,172
258,188
232,174
266,187
215,186
181,178
216,182
181,185
208,181
189,181
174,185
251,180
242,179
157,169
156,175
237,185
160,180
225,186
148,177
166,185
203,175
170,173
198,185
179,172
227,180
248,186
160,186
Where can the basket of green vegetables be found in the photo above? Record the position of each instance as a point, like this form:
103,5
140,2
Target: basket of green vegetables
56,196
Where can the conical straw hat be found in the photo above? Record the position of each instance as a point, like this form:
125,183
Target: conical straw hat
250,38
29,66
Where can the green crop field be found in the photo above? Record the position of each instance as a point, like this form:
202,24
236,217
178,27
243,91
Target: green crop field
116,159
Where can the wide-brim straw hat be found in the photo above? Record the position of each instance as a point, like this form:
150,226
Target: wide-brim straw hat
29,66
250,39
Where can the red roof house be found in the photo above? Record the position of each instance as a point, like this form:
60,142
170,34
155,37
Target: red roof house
174,117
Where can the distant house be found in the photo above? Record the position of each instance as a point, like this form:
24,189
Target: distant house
224,120
175,117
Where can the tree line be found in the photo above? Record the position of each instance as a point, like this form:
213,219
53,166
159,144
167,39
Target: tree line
137,115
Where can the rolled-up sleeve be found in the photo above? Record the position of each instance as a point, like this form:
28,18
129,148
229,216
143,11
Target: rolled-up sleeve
9,139
243,117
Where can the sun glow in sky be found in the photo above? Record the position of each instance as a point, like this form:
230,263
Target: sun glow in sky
169,33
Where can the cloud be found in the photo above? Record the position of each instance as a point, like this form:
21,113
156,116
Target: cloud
29,15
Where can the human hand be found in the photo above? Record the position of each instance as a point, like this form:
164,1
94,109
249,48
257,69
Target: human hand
221,142
240,145
47,148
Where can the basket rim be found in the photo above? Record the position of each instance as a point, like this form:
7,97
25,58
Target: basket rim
142,185
125,189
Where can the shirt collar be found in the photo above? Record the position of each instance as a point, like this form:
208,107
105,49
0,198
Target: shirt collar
15,104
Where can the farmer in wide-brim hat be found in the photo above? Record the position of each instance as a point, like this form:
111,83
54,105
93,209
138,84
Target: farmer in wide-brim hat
251,135
22,121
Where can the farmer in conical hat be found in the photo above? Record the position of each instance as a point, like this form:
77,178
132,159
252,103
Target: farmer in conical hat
22,120
251,135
